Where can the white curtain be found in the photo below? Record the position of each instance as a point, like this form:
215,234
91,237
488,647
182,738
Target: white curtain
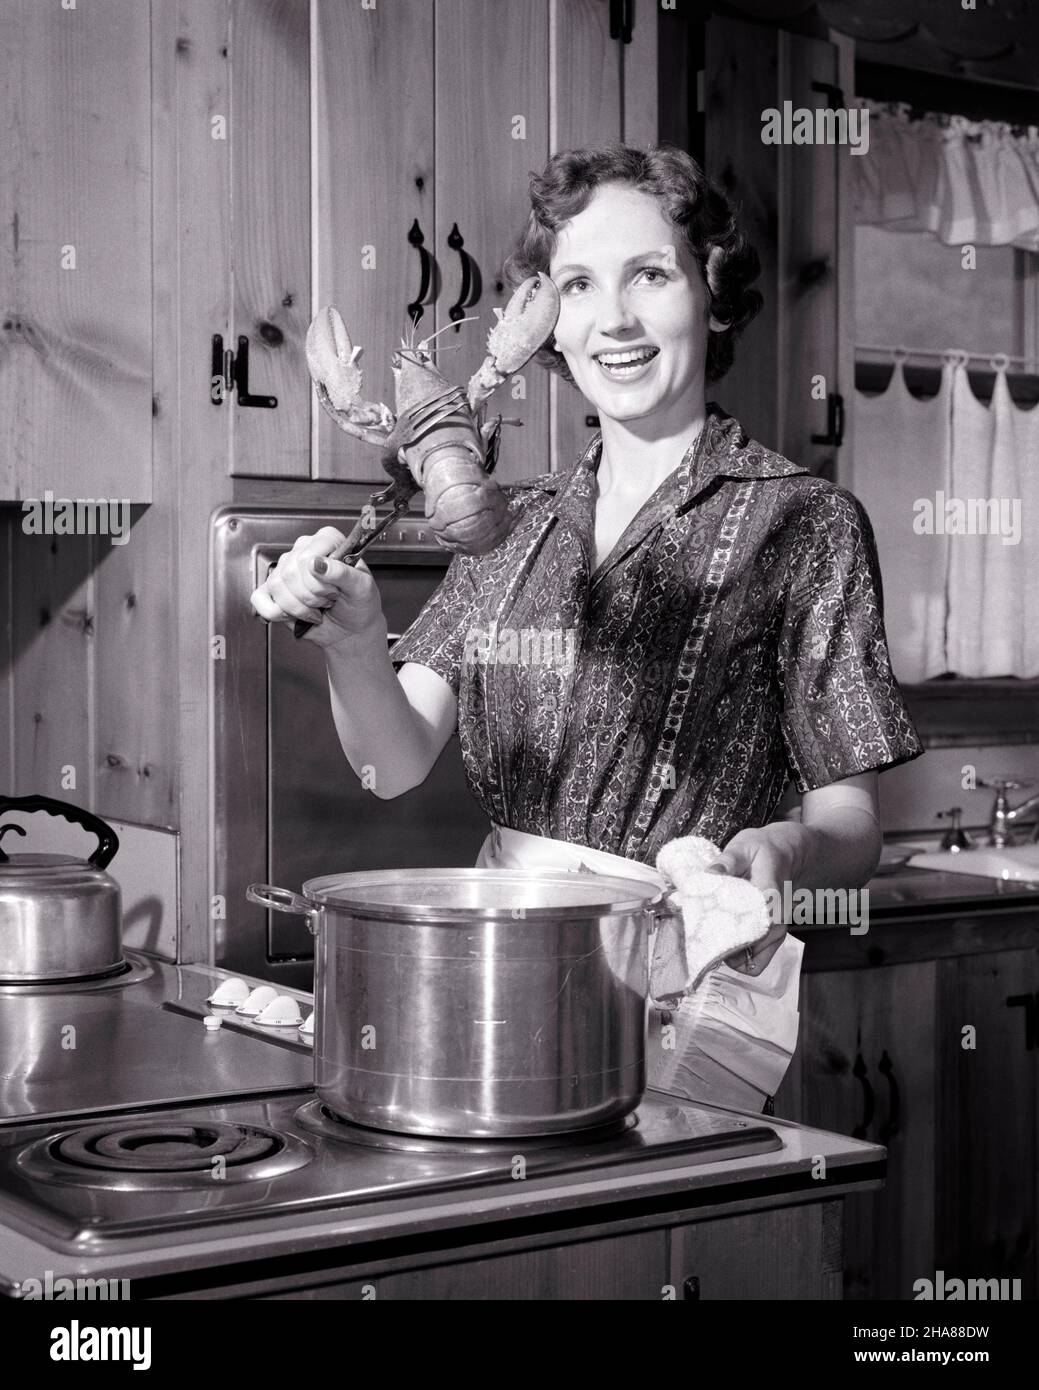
952,489
963,181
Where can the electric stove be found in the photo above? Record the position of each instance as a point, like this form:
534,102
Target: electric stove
137,1142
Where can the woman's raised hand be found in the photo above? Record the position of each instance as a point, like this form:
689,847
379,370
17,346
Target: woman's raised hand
306,584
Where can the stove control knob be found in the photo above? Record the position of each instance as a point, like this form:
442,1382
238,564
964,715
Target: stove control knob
211,1023
281,1012
230,994
258,1000
307,1026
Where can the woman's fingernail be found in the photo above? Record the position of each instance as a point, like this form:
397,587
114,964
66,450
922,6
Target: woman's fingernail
319,564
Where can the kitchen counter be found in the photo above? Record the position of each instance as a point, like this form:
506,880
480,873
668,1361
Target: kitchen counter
929,889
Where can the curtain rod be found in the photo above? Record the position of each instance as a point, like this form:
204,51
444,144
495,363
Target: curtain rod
992,360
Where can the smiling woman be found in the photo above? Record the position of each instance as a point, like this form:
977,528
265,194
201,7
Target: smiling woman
722,608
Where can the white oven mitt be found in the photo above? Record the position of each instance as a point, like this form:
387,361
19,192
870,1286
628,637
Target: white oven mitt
720,916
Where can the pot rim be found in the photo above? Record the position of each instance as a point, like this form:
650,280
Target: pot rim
638,895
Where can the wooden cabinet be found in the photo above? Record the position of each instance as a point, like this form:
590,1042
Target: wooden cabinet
988,1072
794,359
791,1252
388,149
76,254
936,1056
868,1068
629,1267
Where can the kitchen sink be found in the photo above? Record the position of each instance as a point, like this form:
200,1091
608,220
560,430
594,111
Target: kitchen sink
1016,862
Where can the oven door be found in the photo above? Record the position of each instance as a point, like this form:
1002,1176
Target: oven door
288,806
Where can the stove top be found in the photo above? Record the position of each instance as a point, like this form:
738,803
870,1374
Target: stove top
136,1040
100,1185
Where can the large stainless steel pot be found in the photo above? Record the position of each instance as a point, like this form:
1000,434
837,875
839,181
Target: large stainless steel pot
477,1002
60,917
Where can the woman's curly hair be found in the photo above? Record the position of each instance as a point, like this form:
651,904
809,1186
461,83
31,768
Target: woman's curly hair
690,201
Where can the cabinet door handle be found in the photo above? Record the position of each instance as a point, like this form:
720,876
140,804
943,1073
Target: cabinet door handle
859,1070
890,1126
416,239
1030,1004
469,294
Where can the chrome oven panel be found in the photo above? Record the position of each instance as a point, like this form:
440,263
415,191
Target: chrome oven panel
286,804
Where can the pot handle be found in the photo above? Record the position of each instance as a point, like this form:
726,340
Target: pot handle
665,911
107,839
283,900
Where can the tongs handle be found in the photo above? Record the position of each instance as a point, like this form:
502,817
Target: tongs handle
349,551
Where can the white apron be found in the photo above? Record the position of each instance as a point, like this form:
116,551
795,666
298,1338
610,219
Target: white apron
728,1043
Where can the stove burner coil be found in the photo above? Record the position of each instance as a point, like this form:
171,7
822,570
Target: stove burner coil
165,1148
132,1154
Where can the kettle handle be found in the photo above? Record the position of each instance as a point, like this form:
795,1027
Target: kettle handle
107,839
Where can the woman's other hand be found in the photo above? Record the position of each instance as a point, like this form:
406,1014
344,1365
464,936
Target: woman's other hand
768,857
836,844
340,601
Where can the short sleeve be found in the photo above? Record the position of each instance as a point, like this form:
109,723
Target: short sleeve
842,710
437,636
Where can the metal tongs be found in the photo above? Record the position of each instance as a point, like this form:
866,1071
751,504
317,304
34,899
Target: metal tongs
370,527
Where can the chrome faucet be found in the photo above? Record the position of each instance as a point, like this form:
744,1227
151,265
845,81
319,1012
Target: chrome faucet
955,838
1004,817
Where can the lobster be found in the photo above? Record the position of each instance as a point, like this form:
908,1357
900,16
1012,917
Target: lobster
437,433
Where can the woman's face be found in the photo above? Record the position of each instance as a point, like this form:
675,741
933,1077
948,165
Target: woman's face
628,282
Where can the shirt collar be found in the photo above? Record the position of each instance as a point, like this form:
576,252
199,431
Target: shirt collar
727,452
721,450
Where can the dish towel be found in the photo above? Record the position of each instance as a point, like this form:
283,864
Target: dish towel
729,1039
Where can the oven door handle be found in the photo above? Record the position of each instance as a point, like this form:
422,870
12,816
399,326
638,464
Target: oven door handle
283,900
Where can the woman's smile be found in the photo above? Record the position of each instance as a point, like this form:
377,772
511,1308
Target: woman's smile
627,365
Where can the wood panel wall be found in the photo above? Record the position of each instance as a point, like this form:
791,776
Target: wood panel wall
75,254
105,649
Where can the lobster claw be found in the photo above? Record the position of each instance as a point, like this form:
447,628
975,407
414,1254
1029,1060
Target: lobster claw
525,324
331,360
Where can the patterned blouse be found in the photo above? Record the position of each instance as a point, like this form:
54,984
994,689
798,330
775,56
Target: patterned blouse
733,639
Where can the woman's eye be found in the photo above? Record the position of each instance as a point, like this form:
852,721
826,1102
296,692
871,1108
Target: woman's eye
583,280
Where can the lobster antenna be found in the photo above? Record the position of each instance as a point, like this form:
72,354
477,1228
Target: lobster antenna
472,318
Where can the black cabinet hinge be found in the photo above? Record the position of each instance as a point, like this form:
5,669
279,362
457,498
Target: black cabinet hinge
834,421
1030,1004
230,371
